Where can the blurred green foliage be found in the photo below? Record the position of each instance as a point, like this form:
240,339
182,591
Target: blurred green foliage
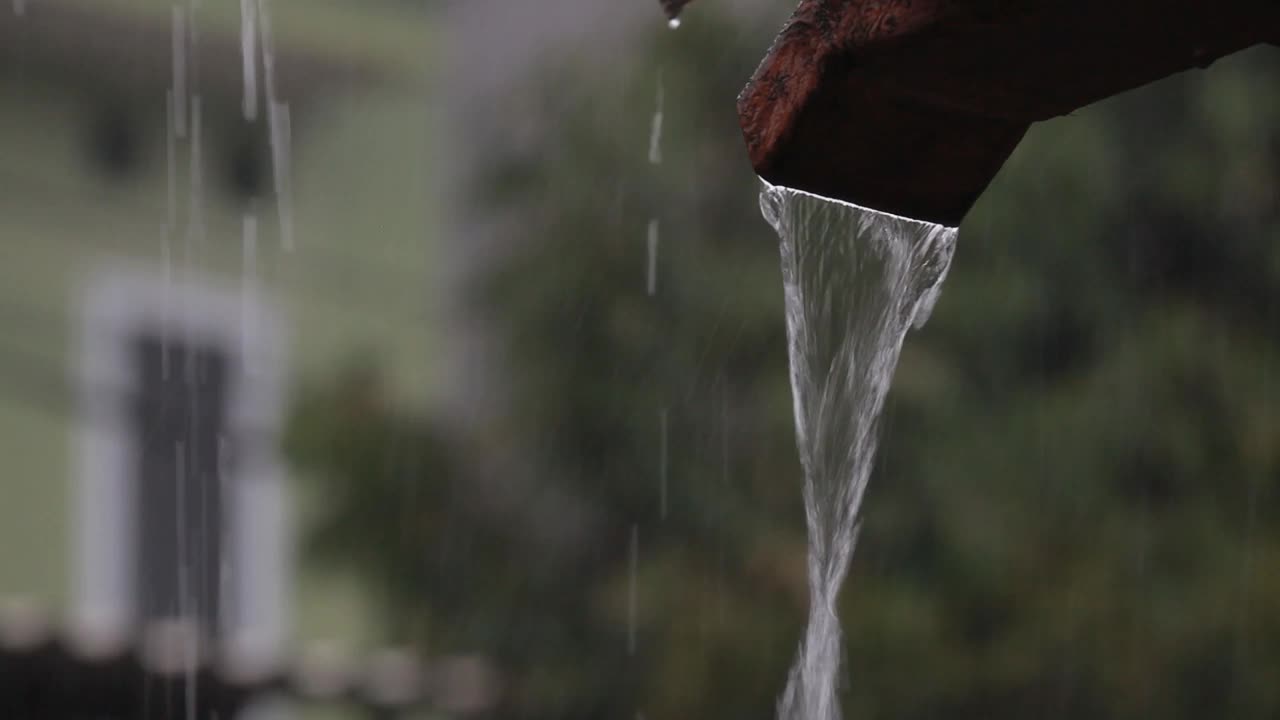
1076,509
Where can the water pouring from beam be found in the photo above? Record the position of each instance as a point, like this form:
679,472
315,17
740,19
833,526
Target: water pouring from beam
911,107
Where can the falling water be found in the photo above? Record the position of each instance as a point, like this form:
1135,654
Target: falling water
651,243
655,126
249,290
633,556
249,59
179,57
663,461
855,280
278,126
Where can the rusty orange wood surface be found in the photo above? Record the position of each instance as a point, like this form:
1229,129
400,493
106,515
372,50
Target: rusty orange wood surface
912,106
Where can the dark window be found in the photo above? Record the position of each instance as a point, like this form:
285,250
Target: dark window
246,172
180,416
113,144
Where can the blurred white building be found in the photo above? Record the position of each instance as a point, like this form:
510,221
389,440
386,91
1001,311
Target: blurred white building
180,255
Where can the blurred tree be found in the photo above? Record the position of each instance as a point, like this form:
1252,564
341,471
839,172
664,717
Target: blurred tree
1076,505
1077,493
516,541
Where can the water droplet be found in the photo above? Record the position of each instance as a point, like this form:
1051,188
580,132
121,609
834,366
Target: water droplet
662,464
673,23
281,150
652,242
249,289
249,59
655,129
179,62
634,563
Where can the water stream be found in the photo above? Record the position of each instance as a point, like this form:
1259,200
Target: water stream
856,281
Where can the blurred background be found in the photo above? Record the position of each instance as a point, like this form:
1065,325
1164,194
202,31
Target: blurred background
391,358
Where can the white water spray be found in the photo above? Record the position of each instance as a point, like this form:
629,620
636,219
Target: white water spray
855,280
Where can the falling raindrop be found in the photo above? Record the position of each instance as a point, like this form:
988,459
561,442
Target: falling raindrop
171,160
662,463
653,257
166,290
179,71
249,58
674,23
278,126
249,288
268,49
281,133
655,128
634,561
195,220
180,517
19,7
195,224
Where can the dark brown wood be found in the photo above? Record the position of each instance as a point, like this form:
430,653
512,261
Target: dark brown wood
673,7
912,106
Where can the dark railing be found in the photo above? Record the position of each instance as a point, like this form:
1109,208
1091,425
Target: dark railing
162,675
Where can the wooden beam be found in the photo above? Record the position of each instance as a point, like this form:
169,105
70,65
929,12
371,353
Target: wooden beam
912,106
